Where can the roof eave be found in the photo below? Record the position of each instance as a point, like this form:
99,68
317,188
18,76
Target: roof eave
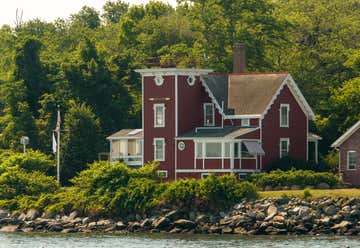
346,135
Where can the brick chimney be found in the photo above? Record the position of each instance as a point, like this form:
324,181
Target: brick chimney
239,58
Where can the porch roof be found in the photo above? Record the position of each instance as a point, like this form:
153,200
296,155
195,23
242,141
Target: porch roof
227,132
127,133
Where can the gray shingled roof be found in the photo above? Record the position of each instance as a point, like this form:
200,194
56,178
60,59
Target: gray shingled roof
244,94
227,132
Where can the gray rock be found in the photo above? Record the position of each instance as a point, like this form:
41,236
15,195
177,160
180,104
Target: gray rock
184,224
323,186
4,213
173,215
146,223
271,212
223,214
342,224
55,227
86,220
175,230
9,228
74,214
330,210
32,214
48,215
274,230
304,211
227,230
69,230
161,223
120,225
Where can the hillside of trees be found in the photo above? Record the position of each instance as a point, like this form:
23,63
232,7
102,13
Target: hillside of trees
86,63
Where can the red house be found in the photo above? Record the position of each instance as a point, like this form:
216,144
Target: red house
349,154
196,123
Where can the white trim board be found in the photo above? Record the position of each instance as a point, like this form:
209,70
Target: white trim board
173,71
346,135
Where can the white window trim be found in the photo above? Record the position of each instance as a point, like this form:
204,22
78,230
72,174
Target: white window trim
245,122
287,106
162,105
163,155
163,171
242,174
213,116
288,146
348,160
204,175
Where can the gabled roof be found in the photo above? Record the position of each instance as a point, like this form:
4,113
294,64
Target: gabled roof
127,133
250,94
346,135
227,132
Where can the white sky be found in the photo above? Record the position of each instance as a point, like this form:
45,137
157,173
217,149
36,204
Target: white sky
49,10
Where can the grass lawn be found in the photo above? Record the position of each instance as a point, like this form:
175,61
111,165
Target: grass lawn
315,193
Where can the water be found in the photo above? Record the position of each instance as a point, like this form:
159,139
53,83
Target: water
12,240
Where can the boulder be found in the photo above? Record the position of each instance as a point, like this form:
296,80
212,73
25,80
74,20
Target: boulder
330,210
278,218
175,230
69,230
146,223
3,213
86,220
215,229
304,211
273,230
55,227
323,186
342,224
184,224
32,214
74,214
173,215
271,212
48,215
9,228
120,225
227,230
161,223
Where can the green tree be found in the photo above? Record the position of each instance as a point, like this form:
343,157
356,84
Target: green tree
87,17
113,11
81,140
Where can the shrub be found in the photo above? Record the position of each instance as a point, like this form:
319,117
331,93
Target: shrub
307,194
294,177
288,163
30,161
17,182
182,193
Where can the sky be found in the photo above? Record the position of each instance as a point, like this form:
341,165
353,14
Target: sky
49,10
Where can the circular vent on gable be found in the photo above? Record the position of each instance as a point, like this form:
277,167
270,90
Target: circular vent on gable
191,80
159,80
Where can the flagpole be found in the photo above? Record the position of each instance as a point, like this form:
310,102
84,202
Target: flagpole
58,145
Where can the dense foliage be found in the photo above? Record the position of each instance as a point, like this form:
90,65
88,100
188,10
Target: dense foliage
288,163
294,177
114,189
90,59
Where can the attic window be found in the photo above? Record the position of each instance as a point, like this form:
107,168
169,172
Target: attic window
284,115
245,122
209,114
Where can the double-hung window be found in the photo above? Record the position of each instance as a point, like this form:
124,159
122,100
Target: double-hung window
284,147
284,115
351,160
159,115
159,149
209,114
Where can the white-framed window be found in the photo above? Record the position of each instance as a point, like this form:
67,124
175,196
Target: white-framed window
242,176
199,150
204,175
284,115
284,147
213,150
162,173
159,149
236,150
245,122
159,115
226,150
209,114
351,160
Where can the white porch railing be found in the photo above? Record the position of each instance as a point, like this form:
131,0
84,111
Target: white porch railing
131,160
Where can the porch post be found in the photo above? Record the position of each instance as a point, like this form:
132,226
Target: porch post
110,158
240,154
316,152
222,154
126,150
232,157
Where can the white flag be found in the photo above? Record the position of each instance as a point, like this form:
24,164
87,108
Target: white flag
54,144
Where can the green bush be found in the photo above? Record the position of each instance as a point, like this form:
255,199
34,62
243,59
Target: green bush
211,192
288,163
307,194
17,182
30,161
294,177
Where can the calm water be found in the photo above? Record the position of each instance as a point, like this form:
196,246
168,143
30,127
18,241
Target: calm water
173,241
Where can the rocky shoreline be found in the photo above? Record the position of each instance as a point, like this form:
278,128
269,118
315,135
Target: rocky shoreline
340,216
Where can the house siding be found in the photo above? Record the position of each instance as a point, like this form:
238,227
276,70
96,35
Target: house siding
272,132
167,90
351,144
